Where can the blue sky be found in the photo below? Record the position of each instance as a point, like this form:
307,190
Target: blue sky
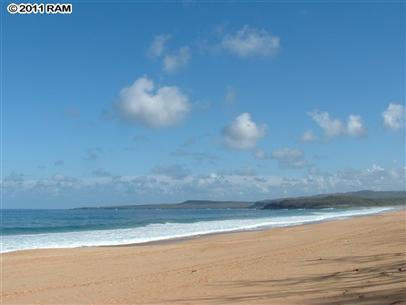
161,102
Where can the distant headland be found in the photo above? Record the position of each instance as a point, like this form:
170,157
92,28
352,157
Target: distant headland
364,198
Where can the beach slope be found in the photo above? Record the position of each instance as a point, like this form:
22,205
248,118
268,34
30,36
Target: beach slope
360,260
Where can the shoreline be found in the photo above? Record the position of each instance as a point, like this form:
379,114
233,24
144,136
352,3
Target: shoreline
356,260
193,237
237,231
226,232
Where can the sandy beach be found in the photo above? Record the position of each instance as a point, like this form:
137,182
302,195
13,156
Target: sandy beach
360,260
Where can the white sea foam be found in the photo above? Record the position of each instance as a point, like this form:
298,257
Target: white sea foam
156,232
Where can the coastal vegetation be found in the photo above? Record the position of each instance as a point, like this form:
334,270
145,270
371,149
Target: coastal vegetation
344,200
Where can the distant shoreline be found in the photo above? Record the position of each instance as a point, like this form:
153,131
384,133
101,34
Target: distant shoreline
363,198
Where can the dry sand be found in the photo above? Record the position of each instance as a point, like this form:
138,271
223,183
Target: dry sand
354,261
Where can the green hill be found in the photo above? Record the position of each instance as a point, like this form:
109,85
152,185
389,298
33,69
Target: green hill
342,200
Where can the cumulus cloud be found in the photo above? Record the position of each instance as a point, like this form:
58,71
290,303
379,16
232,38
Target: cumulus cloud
290,158
158,45
355,126
334,127
308,137
375,177
250,41
174,61
243,133
394,116
142,103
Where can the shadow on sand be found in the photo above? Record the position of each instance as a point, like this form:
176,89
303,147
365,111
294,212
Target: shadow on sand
374,280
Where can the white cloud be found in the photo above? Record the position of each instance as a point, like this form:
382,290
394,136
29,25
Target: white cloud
333,127
308,136
243,133
251,42
165,106
355,126
158,46
290,158
175,61
172,61
229,185
394,116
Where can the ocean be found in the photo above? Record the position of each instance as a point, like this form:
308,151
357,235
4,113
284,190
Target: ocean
37,229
